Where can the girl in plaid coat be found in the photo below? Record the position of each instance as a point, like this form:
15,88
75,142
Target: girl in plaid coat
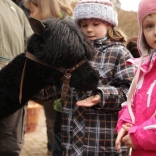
88,126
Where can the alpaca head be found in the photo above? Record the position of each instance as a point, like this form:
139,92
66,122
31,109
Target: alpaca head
60,43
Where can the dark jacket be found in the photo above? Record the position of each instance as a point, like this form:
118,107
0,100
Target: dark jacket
98,134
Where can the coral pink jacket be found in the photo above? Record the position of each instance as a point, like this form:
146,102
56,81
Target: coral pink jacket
143,132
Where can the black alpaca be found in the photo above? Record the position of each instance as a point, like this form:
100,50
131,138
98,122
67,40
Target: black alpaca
57,43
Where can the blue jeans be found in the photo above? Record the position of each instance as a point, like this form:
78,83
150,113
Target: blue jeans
57,150
50,119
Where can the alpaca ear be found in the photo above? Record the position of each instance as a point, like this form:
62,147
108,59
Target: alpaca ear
37,26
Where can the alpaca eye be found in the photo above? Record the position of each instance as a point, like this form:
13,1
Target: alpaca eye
59,56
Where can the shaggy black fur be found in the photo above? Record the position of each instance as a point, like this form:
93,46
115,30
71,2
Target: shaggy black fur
58,43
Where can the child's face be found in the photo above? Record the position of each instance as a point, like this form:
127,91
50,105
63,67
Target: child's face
34,11
94,29
149,30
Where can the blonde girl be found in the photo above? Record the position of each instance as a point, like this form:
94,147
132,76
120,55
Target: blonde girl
89,119
42,9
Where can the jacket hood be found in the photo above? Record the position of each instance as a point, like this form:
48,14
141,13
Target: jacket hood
141,44
145,8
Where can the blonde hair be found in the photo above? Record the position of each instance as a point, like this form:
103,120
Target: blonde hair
113,33
116,35
51,8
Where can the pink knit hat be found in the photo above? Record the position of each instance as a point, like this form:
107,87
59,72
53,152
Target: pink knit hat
96,9
145,8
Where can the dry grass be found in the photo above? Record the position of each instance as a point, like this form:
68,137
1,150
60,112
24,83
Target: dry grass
128,22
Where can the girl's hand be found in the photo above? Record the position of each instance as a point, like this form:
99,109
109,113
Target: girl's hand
121,134
127,141
123,131
90,101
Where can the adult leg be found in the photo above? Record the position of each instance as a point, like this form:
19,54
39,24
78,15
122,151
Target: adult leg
12,133
50,118
57,146
57,151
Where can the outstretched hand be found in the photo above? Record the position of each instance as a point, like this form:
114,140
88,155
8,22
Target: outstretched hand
90,101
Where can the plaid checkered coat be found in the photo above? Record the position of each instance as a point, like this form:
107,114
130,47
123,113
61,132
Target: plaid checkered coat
98,134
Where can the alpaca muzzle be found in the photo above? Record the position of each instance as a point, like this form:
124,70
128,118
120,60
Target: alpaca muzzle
65,79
